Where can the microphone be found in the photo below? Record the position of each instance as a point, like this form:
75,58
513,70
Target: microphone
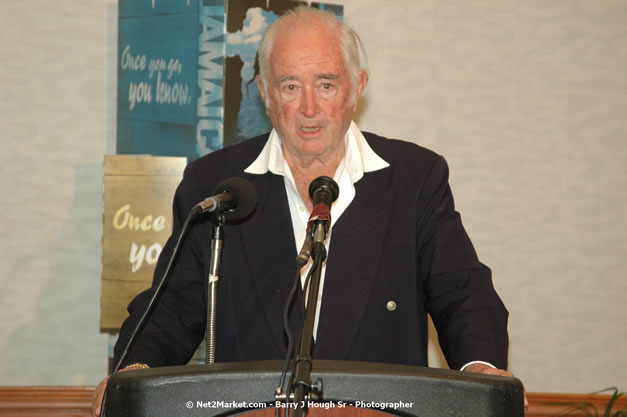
305,252
235,197
323,191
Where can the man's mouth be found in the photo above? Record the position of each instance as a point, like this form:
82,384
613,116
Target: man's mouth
310,129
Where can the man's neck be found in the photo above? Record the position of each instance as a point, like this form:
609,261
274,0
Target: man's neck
305,170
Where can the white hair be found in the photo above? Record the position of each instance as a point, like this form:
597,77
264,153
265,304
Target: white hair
350,43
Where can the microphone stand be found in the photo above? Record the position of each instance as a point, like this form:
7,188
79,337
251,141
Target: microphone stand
217,239
303,389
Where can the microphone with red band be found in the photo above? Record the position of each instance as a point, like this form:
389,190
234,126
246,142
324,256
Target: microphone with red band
323,191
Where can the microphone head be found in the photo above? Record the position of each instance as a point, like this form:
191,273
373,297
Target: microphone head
245,197
323,190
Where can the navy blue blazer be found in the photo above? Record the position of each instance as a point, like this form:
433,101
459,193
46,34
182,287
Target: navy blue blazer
399,240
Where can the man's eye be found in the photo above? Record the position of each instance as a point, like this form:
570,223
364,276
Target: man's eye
327,86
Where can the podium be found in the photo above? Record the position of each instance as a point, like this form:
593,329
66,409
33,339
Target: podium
229,388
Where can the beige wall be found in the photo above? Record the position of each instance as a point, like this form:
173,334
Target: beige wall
525,99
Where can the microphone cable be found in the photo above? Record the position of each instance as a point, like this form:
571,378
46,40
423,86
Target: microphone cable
142,321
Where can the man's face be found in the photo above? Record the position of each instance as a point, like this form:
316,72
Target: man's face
310,99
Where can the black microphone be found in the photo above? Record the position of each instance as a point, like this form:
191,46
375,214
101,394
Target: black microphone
323,191
235,197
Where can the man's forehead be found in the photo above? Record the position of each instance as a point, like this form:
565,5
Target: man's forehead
308,64
314,58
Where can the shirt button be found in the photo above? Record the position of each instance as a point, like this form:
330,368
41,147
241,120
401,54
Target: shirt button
391,305
302,208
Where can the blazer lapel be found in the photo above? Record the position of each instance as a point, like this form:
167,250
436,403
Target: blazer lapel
354,252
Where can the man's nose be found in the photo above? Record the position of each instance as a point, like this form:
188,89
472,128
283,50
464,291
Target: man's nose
309,103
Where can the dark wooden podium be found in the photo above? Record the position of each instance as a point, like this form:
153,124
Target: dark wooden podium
230,388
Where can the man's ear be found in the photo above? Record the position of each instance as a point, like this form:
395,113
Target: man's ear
260,86
362,80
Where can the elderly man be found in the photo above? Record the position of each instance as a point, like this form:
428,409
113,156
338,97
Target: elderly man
397,247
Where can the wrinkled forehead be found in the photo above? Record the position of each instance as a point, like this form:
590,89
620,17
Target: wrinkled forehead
311,45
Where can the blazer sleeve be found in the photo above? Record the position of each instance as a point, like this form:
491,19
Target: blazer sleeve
468,314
